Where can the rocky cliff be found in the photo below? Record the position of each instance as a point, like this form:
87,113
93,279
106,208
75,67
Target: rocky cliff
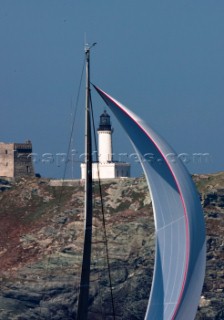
41,234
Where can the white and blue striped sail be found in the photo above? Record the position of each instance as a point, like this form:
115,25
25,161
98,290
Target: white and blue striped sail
179,223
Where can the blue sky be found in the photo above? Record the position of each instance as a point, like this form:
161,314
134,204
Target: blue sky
163,59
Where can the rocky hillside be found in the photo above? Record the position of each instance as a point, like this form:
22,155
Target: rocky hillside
41,234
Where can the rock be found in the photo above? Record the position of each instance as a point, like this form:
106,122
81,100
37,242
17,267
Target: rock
204,303
41,241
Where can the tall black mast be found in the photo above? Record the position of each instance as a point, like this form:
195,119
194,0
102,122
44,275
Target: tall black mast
82,313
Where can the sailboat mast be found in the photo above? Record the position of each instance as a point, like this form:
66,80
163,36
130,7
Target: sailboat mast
82,312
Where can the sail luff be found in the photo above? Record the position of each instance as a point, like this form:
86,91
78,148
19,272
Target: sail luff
82,313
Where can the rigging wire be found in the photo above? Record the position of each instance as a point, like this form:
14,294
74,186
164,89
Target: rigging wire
67,155
72,127
103,213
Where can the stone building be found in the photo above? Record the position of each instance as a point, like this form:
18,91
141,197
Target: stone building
16,159
106,167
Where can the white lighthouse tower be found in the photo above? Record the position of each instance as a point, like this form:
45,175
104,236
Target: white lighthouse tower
105,139
106,167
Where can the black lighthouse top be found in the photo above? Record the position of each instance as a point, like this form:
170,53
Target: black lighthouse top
104,124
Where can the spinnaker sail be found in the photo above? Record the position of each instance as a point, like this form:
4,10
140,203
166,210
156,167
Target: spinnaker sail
179,222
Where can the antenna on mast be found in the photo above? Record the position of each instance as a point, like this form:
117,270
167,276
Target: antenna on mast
85,41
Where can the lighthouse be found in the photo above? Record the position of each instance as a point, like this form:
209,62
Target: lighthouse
105,139
106,167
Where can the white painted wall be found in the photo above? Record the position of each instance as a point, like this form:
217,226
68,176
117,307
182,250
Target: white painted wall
107,170
105,146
